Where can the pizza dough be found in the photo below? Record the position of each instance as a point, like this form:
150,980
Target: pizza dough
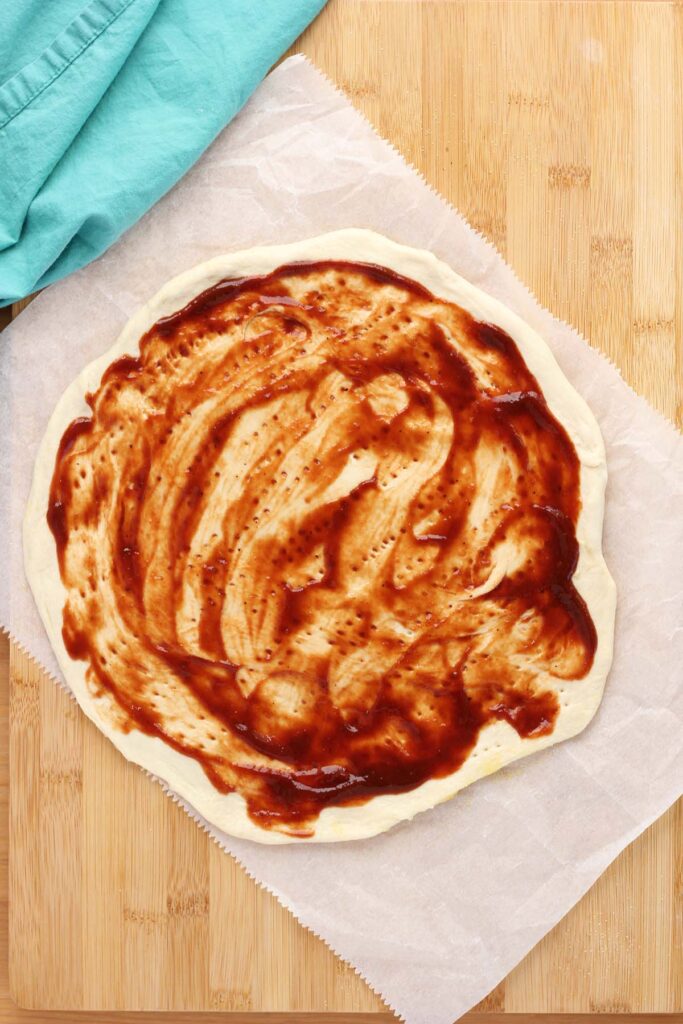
318,541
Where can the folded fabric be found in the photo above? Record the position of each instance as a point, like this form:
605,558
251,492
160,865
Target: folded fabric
104,106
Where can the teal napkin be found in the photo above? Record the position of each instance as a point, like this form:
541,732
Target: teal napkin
104,104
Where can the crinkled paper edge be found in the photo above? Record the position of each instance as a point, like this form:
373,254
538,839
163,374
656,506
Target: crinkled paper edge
205,827
491,248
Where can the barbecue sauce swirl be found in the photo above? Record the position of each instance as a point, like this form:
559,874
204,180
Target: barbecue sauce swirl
317,535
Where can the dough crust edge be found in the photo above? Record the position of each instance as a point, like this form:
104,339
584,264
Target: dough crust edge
498,743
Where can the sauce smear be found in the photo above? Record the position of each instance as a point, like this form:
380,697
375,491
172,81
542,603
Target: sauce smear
318,535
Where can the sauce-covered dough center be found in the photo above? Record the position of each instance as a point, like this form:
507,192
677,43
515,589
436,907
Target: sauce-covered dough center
318,535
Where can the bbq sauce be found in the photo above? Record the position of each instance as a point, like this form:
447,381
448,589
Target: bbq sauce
318,535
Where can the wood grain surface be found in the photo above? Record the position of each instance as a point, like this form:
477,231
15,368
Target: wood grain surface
556,129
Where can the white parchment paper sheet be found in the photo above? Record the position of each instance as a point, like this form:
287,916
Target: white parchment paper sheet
436,912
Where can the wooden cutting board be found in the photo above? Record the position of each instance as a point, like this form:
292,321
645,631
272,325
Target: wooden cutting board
556,129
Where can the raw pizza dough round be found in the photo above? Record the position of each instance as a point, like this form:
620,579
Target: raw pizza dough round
498,743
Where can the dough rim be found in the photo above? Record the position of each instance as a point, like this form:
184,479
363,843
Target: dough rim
498,743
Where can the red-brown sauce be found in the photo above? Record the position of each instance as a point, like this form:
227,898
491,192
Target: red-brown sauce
278,531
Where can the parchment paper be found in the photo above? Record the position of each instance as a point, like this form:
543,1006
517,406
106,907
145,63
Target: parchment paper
437,911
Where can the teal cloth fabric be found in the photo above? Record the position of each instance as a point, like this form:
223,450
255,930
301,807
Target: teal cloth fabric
104,104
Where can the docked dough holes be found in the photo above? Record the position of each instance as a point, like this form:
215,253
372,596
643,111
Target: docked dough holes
332,524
